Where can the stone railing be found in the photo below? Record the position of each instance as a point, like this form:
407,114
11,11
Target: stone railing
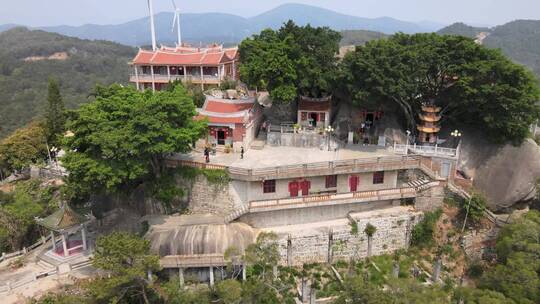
311,169
425,150
25,250
9,286
189,261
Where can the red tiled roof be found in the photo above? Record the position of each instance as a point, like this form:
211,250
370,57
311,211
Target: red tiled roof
318,106
185,56
222,107
218,120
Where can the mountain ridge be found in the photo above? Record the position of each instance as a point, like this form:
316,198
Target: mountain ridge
231,29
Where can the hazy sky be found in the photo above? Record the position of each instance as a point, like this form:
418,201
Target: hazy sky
76,12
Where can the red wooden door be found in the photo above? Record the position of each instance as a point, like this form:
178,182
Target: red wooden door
353,183
305,185
293,188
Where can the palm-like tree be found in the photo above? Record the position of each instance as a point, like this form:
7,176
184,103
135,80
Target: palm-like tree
369,231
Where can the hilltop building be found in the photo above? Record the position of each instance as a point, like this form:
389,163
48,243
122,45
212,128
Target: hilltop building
207,67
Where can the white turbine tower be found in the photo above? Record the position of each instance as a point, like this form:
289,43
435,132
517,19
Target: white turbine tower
152,25
177,21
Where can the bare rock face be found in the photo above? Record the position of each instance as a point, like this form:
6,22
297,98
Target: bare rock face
505,174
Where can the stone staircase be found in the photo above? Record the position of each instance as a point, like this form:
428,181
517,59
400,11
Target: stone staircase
236,214
418,184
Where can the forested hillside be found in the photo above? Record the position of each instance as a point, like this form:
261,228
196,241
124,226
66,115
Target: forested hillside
519,40
29,58
359,37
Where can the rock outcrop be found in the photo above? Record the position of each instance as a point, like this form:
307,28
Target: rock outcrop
505,174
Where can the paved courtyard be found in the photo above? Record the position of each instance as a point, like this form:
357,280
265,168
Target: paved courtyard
284,156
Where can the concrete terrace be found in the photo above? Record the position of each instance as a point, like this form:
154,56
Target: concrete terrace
286,156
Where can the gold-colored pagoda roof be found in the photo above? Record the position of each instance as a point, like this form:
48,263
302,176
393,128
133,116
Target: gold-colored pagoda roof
431,109
430,117
434,129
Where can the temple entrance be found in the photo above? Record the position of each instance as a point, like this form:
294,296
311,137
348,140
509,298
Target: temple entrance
221,136
313,119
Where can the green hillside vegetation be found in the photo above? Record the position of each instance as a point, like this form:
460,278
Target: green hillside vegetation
23,84
359,37
519,40
462,29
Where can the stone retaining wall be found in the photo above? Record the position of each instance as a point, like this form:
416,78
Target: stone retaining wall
333,240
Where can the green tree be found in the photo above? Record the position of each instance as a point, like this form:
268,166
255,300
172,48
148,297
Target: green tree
122,139
173,294
480,296
474,85
263,254
128,260
290,61
229,291
518,249
24,147
357,290
474,208
422,233
55,113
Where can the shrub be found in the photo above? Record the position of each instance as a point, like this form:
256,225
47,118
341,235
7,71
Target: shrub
422,234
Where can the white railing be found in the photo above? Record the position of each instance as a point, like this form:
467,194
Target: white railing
425,150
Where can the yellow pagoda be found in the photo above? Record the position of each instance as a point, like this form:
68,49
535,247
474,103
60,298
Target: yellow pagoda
428,128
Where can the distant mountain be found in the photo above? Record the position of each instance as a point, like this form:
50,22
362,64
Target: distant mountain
462,29
29,58
359,37
5,27
231,29
519,40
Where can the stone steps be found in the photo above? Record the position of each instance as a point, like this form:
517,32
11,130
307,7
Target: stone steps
236,214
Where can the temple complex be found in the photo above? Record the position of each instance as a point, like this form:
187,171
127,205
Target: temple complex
207,67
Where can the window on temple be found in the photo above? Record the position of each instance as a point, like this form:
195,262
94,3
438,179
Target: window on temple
378,177
331,181
269,186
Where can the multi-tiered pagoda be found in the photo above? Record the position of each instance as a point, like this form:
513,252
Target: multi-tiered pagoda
428,128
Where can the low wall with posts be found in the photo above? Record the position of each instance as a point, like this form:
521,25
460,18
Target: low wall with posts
335,240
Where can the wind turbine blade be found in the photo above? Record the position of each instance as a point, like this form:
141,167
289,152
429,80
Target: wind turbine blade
174,4
174,21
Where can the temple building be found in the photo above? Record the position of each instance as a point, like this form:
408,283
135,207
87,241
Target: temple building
429,128
314,112
207,67
232,122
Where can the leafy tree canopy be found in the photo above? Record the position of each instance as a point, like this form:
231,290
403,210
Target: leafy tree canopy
55,116
474,85
128,259
290,61
518,248
122,139
24,147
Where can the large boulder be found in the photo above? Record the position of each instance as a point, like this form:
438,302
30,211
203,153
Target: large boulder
505,174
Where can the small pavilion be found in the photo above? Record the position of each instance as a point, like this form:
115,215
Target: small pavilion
64,222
